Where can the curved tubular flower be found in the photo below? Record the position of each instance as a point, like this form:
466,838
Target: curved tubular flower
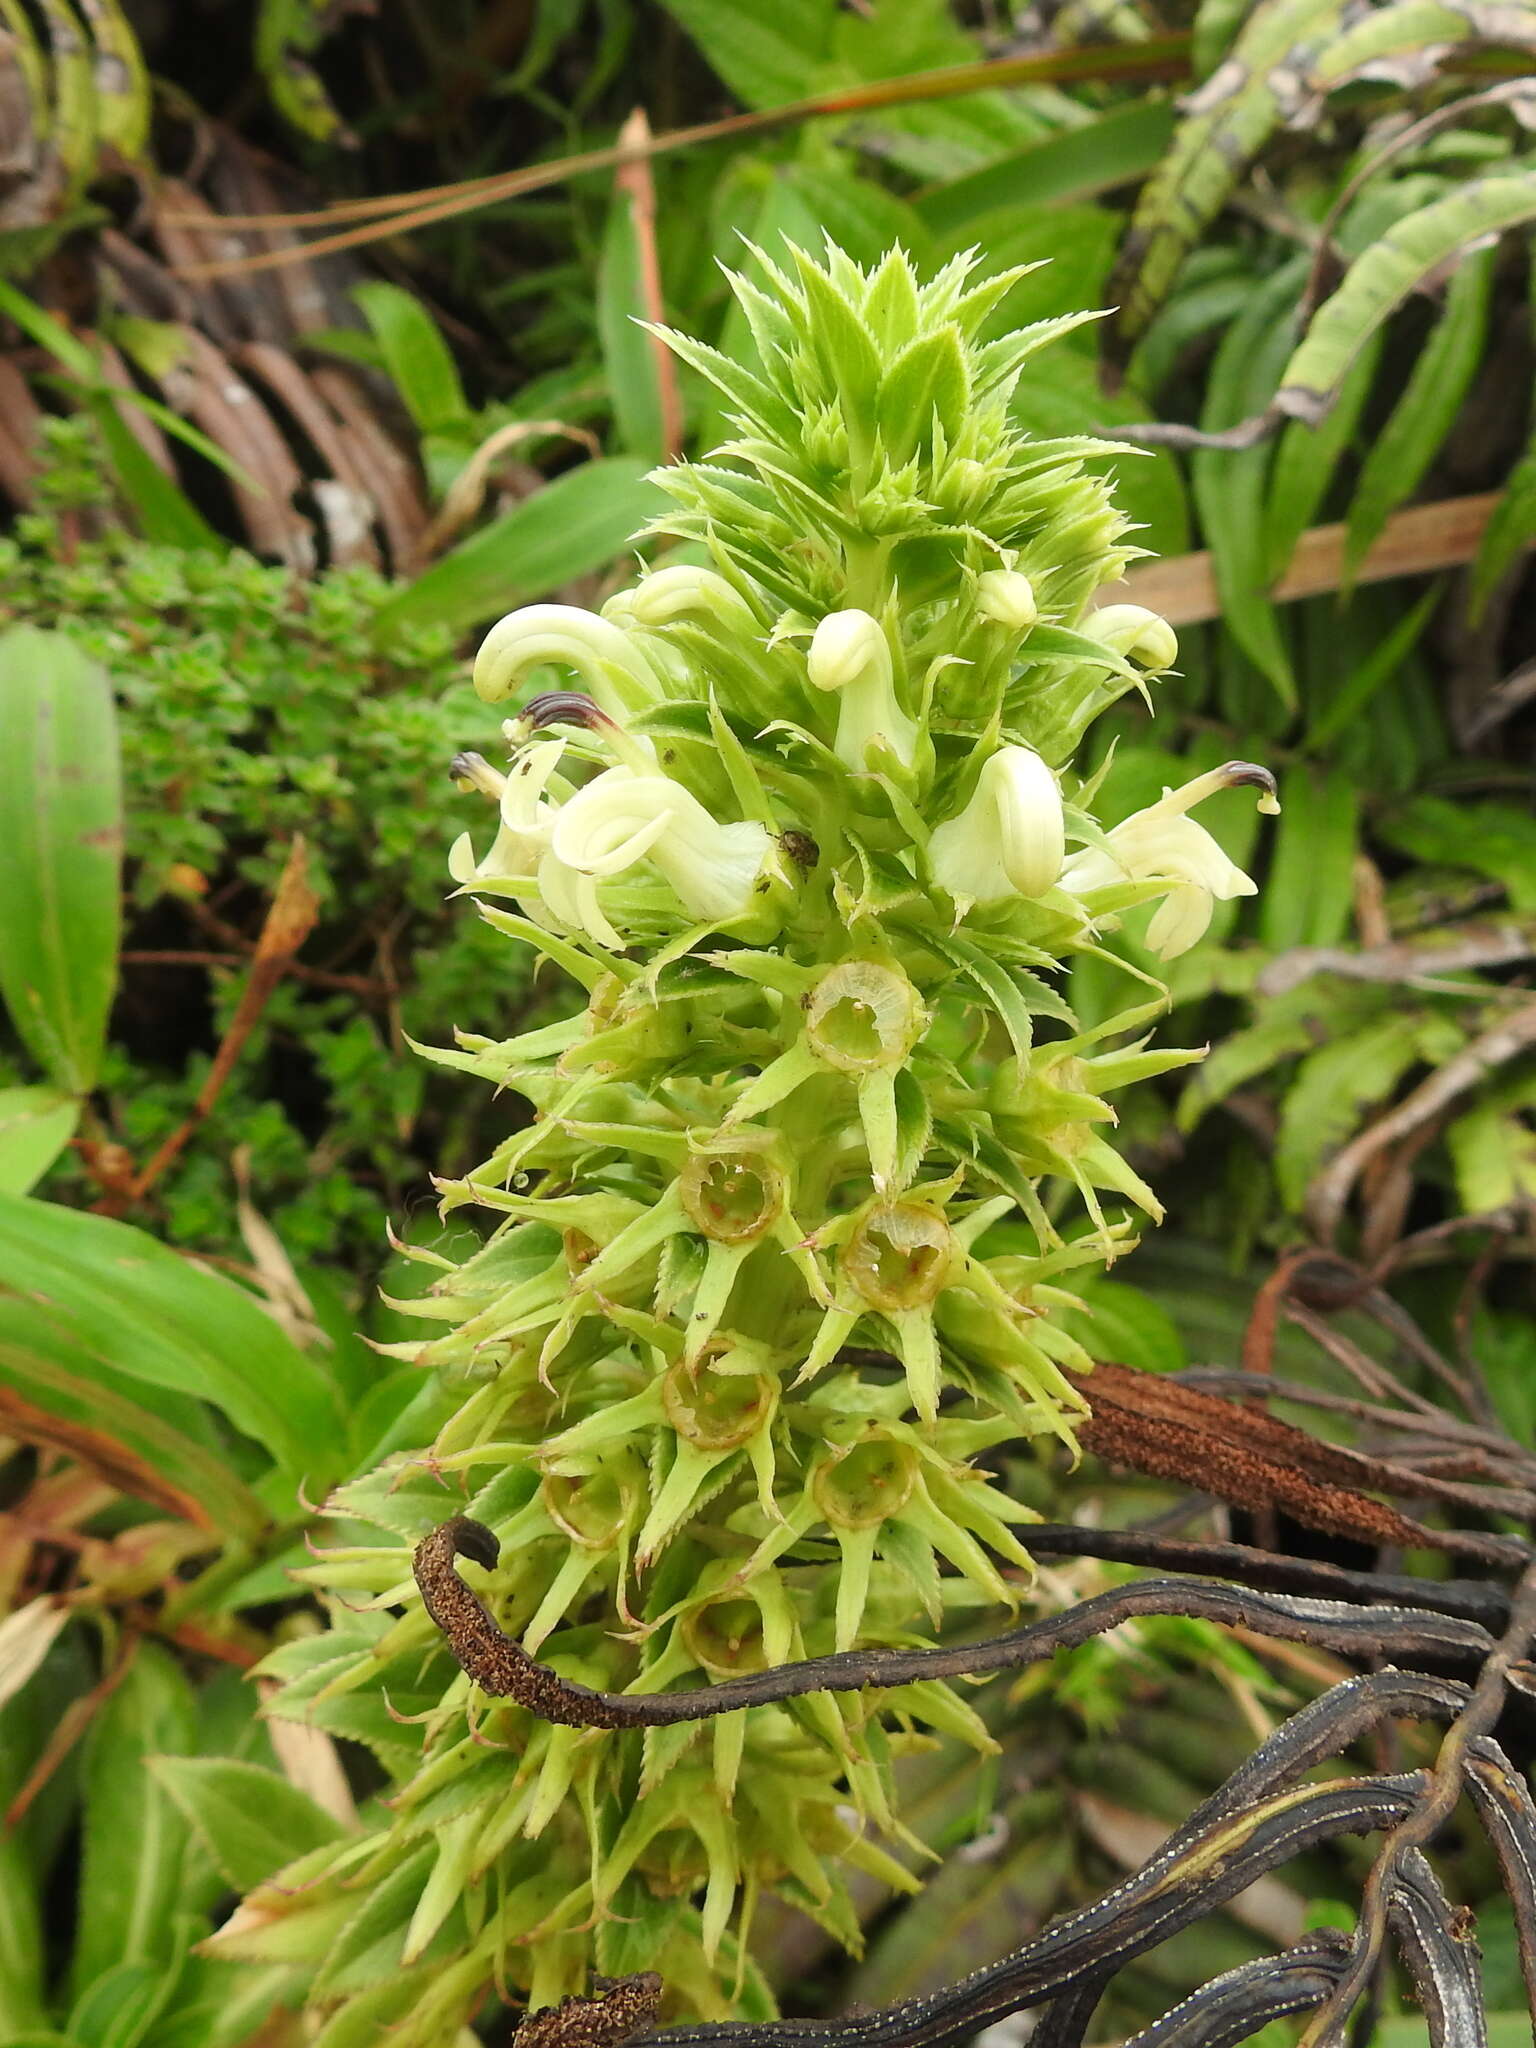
523,838
849,653
1010,840
621,818
1161,844
613,671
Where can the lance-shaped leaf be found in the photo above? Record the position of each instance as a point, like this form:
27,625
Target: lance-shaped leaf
60,852
1504,1806
1226,122
1421,419
1441,1953
1405,43
1378,282
116,1295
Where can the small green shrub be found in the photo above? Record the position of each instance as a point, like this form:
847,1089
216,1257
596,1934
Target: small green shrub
255,707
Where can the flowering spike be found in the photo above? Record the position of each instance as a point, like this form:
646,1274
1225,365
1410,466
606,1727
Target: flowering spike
738,1299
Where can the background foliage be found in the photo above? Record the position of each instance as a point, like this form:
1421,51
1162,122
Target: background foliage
266,512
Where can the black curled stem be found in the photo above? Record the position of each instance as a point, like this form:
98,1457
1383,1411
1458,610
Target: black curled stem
501,1667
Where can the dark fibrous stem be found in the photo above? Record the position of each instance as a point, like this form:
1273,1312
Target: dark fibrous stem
504,1669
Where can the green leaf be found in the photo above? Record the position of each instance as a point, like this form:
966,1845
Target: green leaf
927,378
766,56
21,1940
1225,123
165,513
124,1297
251,1820
59,1392
1335,1085
1491,839
35,1126
222,2005
1305,463
1422,417
133,1838
60,852
1117,148
1511,530
287,34
120,2007
1407,41
575,524
1379,667
1229,486
1378,282
1125,1324
416,356
1309,890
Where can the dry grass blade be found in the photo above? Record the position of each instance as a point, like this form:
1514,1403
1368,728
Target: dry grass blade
1163,57
1416,542
634,180
289,922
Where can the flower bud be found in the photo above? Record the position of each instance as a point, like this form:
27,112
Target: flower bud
849,653
1131,630
1008,597
1010,839
680,592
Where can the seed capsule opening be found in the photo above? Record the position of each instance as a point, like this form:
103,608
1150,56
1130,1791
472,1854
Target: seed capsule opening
590,1507
871,1482
715,1410
726,1637
899,1256
731,1197
862,1016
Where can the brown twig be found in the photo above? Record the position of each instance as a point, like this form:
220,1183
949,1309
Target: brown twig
1423,966
289,921
320,977
1494,1048
67,1731
1415,542
402,213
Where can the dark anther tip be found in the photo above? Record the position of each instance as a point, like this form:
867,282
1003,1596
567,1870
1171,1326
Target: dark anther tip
561,707
1248,775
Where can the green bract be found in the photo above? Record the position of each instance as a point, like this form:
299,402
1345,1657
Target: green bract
768,1272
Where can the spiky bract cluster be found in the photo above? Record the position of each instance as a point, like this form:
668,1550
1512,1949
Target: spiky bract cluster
768,1270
